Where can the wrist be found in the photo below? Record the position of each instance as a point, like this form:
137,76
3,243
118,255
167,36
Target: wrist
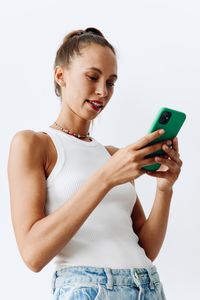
166,191
165,187
105,179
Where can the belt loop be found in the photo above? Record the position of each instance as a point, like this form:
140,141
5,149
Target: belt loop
151,285
109,278
136,280
53,282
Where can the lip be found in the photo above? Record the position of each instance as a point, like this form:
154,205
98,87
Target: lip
96,101
93,106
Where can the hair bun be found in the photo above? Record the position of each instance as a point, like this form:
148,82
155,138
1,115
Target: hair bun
94,31
79,32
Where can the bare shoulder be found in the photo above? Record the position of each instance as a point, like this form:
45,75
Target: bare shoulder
26,138
111,149
30,140
27,144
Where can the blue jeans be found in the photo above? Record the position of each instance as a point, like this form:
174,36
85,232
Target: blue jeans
91,283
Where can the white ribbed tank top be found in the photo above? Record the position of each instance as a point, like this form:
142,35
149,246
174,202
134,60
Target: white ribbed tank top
106,239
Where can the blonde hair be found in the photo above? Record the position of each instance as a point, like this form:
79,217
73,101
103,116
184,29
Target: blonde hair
73,42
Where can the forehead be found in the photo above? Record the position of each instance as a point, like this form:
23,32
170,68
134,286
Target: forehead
95,56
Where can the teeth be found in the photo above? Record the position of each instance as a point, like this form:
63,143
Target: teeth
94,103
98,105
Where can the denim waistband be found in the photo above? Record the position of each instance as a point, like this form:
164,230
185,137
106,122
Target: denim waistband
107,276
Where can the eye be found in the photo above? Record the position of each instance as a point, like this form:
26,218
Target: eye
93,78
110,83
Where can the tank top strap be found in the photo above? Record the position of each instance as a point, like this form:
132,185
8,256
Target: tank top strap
57,141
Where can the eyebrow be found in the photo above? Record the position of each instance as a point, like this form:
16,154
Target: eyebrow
99,71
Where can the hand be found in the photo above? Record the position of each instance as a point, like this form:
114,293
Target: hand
170,166
127,163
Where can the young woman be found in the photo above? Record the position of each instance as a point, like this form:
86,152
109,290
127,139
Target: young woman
74,199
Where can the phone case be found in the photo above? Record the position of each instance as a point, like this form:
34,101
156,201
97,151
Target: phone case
171,127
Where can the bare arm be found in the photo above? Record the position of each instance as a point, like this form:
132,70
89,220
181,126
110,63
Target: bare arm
151,231
41,237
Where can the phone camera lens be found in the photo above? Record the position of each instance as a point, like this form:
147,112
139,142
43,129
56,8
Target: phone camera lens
166,115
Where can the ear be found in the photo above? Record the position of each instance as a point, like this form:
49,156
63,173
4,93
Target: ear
59,76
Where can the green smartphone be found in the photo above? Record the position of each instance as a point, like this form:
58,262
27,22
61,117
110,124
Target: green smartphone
171,121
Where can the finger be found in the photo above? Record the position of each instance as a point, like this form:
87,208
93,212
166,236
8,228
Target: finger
172,154
147,139
165,156
154,148
151,149
170,164
159,174
147,162
175,144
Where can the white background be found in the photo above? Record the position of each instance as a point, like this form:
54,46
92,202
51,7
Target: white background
158,50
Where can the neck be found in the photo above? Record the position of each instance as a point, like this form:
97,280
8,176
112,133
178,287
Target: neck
73,123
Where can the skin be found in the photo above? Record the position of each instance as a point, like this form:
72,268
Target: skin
40,237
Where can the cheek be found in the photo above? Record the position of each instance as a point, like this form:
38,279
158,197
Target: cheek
72,95
110,92
82,88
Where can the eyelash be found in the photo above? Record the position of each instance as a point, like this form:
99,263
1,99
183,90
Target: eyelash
92,78
95,79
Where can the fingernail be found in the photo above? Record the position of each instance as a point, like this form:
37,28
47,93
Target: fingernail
161,131
158,158
169,143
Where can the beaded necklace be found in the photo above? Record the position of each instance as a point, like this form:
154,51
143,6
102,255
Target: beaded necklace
78,135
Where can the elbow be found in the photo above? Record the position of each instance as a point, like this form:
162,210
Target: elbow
34,268
33,262
150,252
151,256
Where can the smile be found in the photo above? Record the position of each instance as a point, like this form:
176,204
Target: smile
93,104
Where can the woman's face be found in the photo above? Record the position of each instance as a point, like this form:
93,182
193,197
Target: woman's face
89,78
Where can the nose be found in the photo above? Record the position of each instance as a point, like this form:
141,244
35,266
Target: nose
101,89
